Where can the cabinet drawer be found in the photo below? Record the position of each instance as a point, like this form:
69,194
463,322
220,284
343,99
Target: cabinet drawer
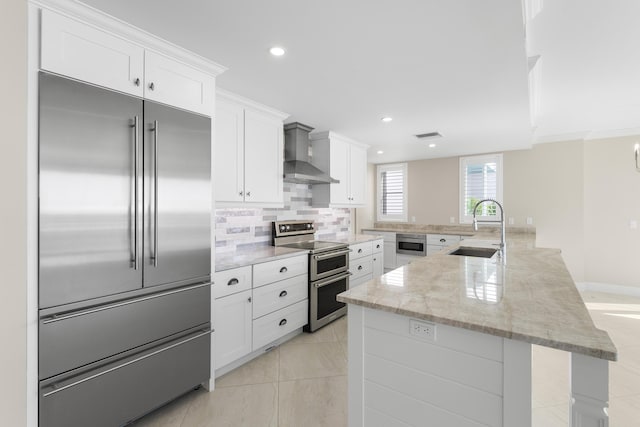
361,267
442,239
231,281
378,246
277,295
119,392
84,336
272,271
275,325
360,250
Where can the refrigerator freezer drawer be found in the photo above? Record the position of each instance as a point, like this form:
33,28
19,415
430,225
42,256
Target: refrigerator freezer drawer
122,391
75,339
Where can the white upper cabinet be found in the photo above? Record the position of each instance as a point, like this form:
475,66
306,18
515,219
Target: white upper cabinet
249,153
174,83
123,62
80,51
229,152
344,160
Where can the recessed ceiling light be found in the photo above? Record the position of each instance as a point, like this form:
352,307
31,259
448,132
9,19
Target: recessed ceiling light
386,119
276,51
380,152
432,145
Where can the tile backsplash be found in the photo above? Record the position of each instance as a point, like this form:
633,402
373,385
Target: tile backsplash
243,228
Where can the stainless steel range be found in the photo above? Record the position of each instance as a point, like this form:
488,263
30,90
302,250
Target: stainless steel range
328,270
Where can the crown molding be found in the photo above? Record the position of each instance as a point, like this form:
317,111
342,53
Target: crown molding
79,11
588,135
329,135
222,94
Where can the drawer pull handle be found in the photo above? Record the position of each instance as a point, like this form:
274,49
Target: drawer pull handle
359,267
249,299
283,294
233,281
283,270
283,322
443,240
377,246
360,250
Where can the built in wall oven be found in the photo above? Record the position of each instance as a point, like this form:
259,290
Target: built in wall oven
328,270
411,244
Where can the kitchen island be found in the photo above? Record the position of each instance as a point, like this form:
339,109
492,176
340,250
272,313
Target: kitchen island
446,341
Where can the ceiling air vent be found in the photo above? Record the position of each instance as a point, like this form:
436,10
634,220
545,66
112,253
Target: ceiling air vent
429,135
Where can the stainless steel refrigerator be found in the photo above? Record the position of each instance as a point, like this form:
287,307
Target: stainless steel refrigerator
124,264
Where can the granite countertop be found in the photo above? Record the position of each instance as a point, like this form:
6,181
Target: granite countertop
530,296
255,255
357,238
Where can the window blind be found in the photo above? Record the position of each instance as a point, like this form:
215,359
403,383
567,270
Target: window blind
392,192
481,178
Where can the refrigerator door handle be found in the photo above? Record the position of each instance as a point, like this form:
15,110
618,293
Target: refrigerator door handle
154,256
134,201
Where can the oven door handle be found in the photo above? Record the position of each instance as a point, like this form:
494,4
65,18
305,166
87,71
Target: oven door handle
330,255
330,280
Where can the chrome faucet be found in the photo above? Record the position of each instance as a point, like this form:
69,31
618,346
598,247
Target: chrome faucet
502,228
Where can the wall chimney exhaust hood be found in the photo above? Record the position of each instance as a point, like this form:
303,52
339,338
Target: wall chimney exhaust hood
297,168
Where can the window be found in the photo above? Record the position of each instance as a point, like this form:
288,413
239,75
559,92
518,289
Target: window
392,192
480,178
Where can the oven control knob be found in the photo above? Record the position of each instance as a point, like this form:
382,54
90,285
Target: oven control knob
309,226
288,227
282,228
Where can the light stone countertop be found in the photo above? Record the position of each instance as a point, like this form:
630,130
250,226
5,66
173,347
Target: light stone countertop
357,238
255,255
530,297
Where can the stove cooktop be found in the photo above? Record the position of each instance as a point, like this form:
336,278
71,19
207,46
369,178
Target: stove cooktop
315,246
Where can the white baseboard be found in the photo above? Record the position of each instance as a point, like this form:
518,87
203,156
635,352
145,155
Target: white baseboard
609,288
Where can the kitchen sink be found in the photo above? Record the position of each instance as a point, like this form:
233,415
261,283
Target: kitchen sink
476,252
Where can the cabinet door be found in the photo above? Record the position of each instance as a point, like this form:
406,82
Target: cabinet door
232,317
339,169
390,256
358,175
77,50
263,158
179,85
378,264
229,152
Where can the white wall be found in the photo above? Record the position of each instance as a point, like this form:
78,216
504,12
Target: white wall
13,230
611,202
582,196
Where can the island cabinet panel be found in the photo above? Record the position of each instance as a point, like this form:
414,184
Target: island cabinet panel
462,368
450,377
478,344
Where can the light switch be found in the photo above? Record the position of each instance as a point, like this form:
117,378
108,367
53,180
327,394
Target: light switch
452,219
413,219
511,220
633,224
529,220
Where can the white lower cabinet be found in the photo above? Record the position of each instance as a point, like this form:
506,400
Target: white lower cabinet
233,323
389,249
269,328
365,261
257,305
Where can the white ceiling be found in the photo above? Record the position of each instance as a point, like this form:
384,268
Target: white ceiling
456,66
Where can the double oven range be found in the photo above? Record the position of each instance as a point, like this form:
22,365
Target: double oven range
328,269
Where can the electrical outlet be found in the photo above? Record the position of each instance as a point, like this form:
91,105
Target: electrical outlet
529,220
413,219
424,330
452,219
633,224
511,220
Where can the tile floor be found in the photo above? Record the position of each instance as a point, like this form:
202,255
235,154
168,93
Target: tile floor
304,382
